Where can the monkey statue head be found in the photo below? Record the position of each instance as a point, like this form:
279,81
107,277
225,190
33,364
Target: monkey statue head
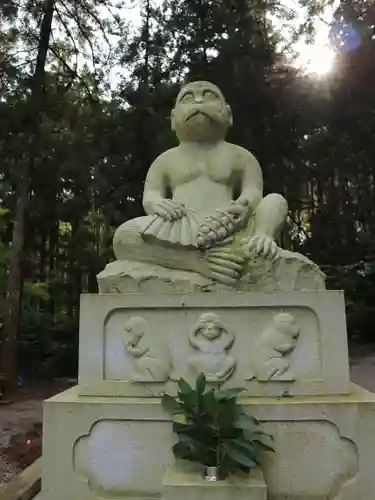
135,327
201,113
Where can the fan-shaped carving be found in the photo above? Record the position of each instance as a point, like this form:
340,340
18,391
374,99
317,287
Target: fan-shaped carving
183,231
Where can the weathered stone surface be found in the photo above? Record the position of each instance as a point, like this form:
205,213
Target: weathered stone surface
104,448
290,271
250,344
184,481
134,277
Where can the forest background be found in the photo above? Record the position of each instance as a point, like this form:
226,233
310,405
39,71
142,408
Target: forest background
83,90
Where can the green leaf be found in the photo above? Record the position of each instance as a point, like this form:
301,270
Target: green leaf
180,418
189,403
210,405
182,428
260,445
260,433
228,394
242,443
239,456
184,387
197,451
201,416
170,404
214,428
188,397
245,421
244,447
191,442
201,383
181,450
227,414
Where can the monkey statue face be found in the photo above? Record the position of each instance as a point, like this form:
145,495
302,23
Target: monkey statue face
285,333
210,326
287,324
135,327
201,113
210,330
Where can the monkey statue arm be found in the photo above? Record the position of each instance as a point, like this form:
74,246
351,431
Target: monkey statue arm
234,217
193,340
155,190
251,181
155,186
270,212
136,352
227,369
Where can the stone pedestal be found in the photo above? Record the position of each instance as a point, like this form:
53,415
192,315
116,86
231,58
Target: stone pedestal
184,481
105,448
200,286
109,438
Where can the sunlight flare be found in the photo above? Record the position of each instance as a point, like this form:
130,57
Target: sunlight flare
315,59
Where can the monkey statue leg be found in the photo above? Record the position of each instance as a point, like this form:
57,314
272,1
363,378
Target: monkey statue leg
228,368
221,264
267,221
128,244
270,215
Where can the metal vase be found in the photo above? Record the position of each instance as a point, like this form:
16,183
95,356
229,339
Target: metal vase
211,473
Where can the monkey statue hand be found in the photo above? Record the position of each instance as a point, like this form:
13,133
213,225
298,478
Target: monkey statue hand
261,244
220,228
169,210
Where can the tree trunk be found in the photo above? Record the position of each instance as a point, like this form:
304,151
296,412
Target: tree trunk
8,355
14,288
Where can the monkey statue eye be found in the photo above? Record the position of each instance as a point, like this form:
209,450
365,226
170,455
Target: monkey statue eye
187,98
210,96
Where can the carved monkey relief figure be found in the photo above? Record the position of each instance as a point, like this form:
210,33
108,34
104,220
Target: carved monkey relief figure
212,339
149,366
271,357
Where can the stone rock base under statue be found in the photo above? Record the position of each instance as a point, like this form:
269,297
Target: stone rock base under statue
289,271
105,448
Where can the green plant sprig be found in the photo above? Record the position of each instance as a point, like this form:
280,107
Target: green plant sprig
213,429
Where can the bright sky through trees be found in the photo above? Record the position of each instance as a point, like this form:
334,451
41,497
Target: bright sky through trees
315,58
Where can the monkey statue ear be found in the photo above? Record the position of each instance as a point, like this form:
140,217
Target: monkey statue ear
230,115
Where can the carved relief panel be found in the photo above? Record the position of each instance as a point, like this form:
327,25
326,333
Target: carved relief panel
144,345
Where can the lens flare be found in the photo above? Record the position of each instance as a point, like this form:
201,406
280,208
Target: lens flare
344,37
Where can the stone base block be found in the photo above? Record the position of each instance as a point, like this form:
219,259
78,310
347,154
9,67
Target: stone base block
184,481
106,448
269,343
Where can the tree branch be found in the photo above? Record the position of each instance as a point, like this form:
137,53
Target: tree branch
70,36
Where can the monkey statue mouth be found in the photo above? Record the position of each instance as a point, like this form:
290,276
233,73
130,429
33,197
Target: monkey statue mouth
197,113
